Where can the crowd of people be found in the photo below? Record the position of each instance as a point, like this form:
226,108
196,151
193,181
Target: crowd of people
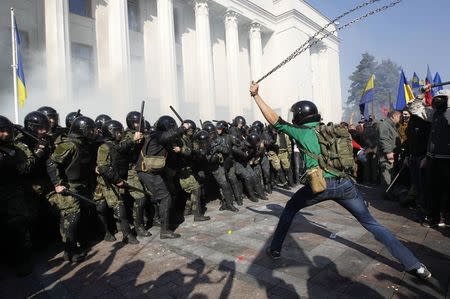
408,154
95,177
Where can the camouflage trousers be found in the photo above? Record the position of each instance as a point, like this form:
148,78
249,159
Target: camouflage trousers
69,210
284,158
190,185
274,160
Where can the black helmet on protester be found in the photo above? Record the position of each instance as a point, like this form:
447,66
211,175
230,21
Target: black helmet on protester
304,112
36,120
7,126
82,126
71,117
253,139
259,125
239,120
133,118
51,114
112,130
165,123
101,120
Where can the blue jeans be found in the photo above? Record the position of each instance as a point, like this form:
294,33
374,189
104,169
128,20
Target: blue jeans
344,192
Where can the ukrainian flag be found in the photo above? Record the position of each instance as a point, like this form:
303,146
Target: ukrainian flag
21,87
367,97
405,94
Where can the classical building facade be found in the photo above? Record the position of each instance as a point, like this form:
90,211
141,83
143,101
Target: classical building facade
105,56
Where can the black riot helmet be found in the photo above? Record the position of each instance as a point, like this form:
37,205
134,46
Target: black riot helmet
82,127
259,125
6,126
254,129
101,120
221,125
35,121
202,138
304,112
165,123
253,139
209,127
191,123
71,117
51,114
239,120
133,118
112,130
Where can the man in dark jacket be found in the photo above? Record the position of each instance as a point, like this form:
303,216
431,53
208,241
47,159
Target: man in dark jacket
438,163
162,145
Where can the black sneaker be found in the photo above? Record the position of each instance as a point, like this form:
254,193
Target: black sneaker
273,254
422,272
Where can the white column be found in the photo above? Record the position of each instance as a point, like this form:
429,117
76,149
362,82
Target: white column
255,59
119,53
206,91
168,60
151,54
232,46
57,44
102,42
326,106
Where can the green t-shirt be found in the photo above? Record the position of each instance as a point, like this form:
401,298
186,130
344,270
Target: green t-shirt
306,139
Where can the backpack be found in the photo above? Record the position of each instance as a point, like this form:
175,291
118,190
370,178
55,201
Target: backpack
336,150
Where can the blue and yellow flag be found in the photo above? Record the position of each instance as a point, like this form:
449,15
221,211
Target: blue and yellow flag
367,97
21,87
416,84
405,94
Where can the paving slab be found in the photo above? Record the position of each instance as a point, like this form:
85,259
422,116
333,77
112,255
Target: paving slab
327,254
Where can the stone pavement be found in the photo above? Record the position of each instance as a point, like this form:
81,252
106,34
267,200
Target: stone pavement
327,254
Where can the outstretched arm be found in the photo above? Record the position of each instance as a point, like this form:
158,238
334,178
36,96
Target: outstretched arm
270,115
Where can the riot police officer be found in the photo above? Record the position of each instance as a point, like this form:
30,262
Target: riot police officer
153,168
112,167
70,167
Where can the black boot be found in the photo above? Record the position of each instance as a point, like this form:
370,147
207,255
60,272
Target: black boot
168,235
102,210
71,253
128,236
290,178
139,218
198,214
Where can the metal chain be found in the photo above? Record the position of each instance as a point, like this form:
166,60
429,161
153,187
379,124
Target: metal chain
313,40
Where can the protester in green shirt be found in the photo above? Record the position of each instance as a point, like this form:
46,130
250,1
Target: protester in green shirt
340,189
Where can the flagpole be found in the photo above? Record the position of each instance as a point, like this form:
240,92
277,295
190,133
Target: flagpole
14,66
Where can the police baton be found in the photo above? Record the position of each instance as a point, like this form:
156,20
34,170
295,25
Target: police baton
67,192
176,113
395,179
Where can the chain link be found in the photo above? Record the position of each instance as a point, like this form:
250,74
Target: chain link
313,40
